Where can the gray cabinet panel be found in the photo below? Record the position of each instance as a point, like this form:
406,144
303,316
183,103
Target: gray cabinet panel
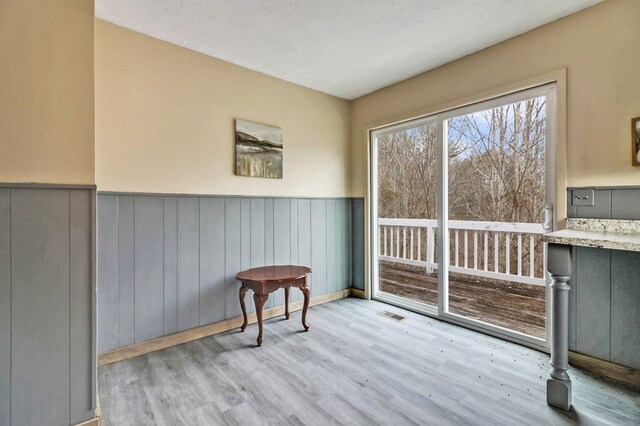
39,306
126,335
107,272
625,317
170,265
319,246
81,361
574,288
212,250
593,299
149,269
233,254
5,307
188,263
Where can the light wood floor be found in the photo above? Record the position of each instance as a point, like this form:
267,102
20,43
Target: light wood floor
353,367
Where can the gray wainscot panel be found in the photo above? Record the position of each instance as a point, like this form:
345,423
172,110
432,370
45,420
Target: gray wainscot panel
608,203
269,242
188,249
39,306
149,268
318,247
5,306
212,257
245,243
357,243
282,239
293,235
170,265
625,203
81,343
126,331
233,255
304,235
107,272
188,262
47,357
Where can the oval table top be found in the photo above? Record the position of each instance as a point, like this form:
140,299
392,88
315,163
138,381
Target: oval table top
274,273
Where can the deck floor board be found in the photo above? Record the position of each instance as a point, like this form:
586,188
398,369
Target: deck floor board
519,307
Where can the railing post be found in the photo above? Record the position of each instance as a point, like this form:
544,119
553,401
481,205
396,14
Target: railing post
430,249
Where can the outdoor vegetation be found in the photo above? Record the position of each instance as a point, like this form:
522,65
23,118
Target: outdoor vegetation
496,167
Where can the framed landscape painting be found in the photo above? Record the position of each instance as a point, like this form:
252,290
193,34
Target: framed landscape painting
258,150
635,141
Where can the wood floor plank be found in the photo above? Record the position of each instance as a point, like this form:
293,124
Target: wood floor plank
353,367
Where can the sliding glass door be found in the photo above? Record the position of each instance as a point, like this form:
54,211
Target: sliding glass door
407,182
478,182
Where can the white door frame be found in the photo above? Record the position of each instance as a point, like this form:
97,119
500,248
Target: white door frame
547,90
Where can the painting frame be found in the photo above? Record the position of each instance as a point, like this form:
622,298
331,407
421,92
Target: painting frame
259,149
635,141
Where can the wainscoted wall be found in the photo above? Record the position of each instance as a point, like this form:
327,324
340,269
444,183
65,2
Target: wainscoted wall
605,288
167,263
47,356
608,203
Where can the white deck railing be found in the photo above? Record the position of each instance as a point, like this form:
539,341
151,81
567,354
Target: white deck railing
482,249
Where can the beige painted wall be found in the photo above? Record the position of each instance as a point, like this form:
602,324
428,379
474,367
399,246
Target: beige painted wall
599,49
46,91
164,122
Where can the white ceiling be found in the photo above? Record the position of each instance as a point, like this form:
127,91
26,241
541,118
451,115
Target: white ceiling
346,48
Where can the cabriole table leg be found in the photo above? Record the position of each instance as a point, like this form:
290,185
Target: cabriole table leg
306,292
286,302
243,292
260,300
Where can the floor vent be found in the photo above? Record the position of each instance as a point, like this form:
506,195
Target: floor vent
391,315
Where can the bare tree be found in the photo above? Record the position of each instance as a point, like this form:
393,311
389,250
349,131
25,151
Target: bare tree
496,169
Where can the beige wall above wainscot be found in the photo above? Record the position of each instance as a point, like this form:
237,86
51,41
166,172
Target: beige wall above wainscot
598,47
46,91
165,122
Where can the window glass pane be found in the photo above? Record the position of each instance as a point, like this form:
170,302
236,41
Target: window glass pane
496,193
407,188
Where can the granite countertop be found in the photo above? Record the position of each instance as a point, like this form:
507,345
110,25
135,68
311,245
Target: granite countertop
599,233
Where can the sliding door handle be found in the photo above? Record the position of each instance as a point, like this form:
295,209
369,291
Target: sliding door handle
547,217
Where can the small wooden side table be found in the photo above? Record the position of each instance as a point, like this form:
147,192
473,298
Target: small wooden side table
267,279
